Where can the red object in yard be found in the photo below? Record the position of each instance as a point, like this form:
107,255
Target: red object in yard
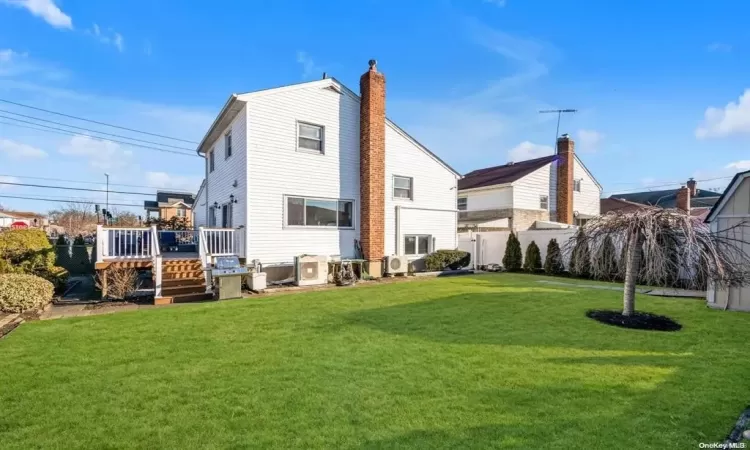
19,225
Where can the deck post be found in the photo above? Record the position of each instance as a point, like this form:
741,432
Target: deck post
103,274
158,276
100,243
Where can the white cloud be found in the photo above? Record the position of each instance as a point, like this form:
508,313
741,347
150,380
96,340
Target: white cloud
719,47
17,150
739,165
172,181
108,37
498,3
101,154
528,150
13,64
734,118
47,10
589,140
309,68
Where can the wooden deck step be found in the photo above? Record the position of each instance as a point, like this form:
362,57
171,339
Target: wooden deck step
179,290
174,282
183,298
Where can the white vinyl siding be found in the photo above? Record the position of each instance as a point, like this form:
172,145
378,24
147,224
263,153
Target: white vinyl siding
587,200
490,198
279,169
200,217
528,190
220,183
433,209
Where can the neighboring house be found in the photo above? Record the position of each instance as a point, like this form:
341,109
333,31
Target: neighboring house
170,204
199,207
314,168
526,194
10,219
730,217
700,201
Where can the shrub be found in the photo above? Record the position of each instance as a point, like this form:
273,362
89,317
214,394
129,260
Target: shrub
606,257
513,258
122,282
533,260
25,251
22,292
553,263
451,259
580,261
80,260
58,276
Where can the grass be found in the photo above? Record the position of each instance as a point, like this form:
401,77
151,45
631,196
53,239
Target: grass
493,361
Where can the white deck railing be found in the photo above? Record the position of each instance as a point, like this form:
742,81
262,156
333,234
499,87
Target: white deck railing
124,243
220,241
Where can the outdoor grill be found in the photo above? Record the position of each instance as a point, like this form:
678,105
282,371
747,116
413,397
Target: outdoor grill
227,274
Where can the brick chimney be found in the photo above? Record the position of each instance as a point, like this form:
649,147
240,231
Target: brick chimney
693,186
565,164
683,199
372,168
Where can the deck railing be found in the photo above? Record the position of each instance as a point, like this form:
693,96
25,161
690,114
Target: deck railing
220,241
124,243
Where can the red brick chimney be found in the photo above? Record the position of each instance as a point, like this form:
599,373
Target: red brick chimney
372,168
565,164
683,199
693,186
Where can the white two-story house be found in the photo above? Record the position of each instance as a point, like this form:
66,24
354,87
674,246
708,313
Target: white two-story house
528,194
313,168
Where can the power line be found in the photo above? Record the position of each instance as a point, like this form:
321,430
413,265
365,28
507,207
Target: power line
94,131
70,133
94,182
65,201
73,199
96,122
75,189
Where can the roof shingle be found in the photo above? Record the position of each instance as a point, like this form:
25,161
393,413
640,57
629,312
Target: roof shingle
507,173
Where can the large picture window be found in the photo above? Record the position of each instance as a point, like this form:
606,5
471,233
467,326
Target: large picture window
319,212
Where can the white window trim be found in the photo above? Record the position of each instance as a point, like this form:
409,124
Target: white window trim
411,188
228,149
319,227
466,204
211,161
540,202
309,150
211,216
430,245
578,182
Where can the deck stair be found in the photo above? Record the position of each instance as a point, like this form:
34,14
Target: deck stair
182,281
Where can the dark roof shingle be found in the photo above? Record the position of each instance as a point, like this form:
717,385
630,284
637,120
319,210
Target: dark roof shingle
668,198
507,173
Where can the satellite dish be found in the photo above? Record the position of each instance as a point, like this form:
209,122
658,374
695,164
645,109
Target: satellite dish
576,213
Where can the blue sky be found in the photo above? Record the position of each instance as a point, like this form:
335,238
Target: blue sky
660,86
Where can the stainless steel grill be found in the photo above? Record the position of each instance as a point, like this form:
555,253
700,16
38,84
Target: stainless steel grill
227,265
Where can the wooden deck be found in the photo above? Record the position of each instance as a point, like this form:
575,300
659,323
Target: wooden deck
142,263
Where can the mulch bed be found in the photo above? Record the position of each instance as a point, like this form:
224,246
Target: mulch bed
638,320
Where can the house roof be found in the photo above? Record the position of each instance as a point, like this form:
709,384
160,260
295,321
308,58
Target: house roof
721,201
165,199
507,173
617,204
236,102
23,214
668,198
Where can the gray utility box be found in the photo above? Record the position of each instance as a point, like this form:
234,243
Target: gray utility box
227,275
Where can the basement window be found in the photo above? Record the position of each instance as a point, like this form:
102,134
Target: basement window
577,185
417,244
310,137
544,202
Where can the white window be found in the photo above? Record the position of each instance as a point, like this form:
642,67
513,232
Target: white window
461,203
417,244
228,144
212,217
402,187
318,212
543,202
577,185
211,160
180,212
226,215
309,137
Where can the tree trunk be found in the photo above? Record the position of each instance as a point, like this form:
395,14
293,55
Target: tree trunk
631,275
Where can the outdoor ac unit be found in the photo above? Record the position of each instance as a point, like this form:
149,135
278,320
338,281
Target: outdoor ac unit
310,270
396,264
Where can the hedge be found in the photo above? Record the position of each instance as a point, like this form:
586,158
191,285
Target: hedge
447,259
25,251
21,292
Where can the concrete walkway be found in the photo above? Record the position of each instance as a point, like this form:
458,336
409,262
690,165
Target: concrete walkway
658,292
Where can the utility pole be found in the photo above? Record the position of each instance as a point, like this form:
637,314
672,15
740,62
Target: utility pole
559,113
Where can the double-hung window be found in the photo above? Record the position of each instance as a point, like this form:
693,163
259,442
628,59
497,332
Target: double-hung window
543,202
310,137
318,212
403,187
461,203
180,212
211,160
577,185
417,244
228,144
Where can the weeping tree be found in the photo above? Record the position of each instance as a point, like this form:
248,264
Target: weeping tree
606,258
659,244
580,259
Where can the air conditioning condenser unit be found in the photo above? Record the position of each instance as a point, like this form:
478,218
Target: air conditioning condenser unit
396,264
310,270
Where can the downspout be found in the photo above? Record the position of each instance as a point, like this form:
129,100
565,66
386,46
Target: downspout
205,157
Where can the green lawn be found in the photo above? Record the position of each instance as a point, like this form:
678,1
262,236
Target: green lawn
482,362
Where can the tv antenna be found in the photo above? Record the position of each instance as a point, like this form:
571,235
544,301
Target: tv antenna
559,113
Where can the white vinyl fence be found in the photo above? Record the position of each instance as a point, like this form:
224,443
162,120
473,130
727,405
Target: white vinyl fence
489,247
